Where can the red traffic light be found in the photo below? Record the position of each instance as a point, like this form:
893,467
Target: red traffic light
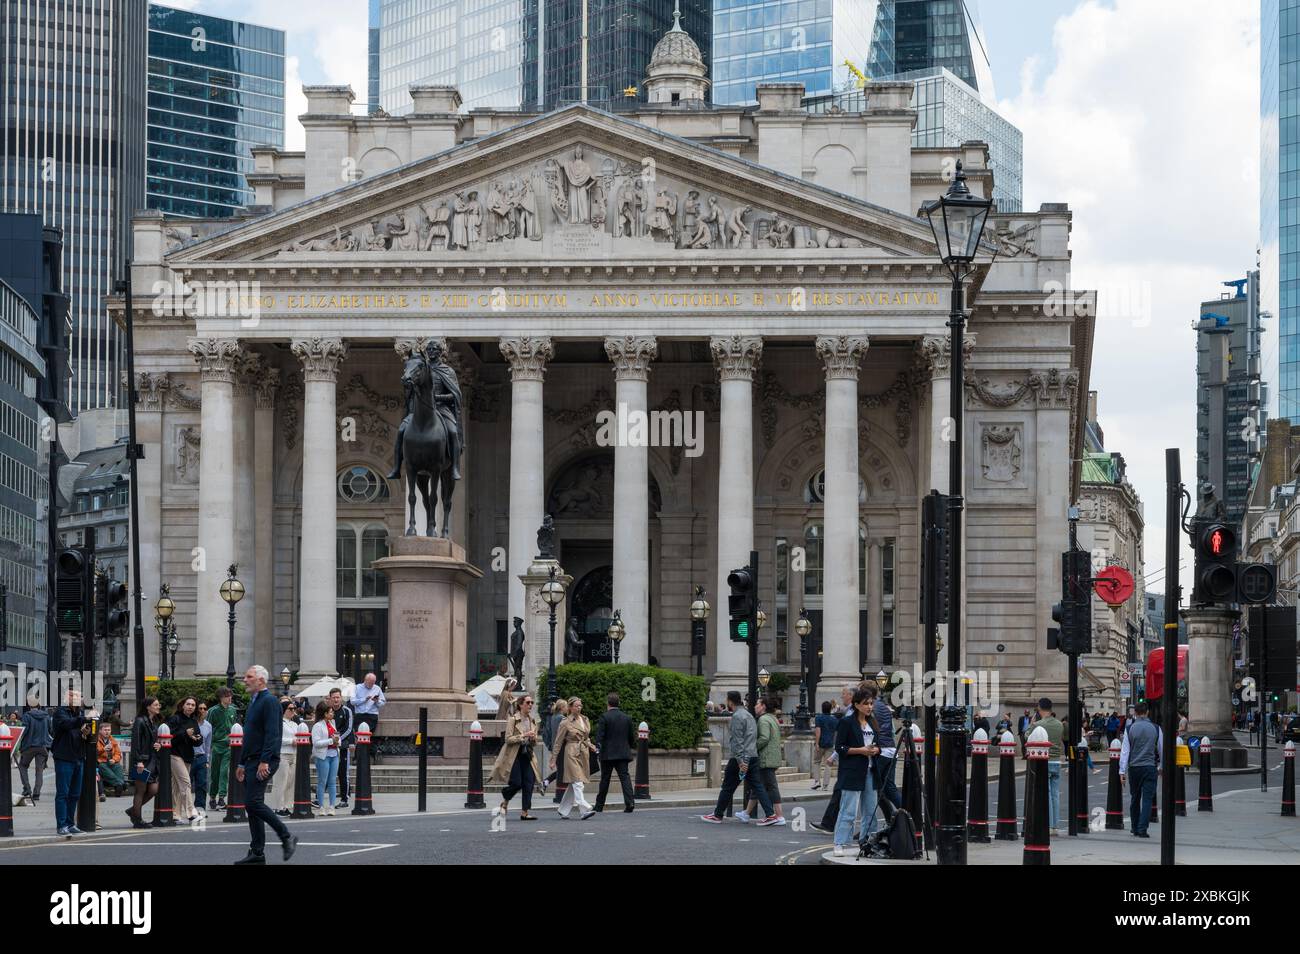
1218,541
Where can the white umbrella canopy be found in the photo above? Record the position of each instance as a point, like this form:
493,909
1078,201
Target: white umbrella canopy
321,688
487,697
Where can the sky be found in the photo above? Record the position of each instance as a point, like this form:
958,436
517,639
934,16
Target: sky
1142,115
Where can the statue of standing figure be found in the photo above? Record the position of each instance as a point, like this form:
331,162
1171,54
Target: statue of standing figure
579,179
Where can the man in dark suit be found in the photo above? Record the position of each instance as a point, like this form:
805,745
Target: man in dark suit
260,758
614,741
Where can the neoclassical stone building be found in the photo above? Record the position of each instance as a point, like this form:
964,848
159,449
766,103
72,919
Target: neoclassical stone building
758,276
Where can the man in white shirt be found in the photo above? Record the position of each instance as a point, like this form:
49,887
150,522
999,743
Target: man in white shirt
367,700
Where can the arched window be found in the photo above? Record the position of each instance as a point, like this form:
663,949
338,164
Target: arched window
815,490
360,485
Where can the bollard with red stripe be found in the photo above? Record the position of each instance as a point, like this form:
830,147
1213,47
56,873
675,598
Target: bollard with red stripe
977,812
912,796
641,784
1205,803
235,810
1180,781
474,790
163,814
1288,780
302,772
1007,829
361,799
1114,791
1038,847
7,783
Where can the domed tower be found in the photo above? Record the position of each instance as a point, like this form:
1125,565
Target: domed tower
676,73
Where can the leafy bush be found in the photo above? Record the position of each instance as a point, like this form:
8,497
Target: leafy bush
676,714
172,691
778,683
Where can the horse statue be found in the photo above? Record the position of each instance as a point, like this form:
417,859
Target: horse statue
429,440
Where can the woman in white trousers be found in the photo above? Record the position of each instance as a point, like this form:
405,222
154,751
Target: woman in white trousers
573,744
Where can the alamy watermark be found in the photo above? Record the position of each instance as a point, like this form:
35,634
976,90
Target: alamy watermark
634,428
41,687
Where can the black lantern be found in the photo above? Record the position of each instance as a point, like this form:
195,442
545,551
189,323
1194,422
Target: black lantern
803,628
553,594
232,591
699,628
957,221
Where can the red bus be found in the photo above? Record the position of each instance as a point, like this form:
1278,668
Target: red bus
1155,681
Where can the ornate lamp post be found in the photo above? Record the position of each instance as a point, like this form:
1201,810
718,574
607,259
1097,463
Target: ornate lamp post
699,628
882,680
957,221
764,677
285,678
232,591
163,623
616,632
173,644
553,593
803,628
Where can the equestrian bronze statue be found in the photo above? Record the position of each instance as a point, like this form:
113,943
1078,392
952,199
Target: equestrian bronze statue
431,437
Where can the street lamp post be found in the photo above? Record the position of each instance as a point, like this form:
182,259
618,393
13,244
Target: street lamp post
232,591
286,677
616,632
699,628
164,624
803,627
957,221
552,593
173,644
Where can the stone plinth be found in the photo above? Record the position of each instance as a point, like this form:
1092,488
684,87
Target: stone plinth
427,612
1209,683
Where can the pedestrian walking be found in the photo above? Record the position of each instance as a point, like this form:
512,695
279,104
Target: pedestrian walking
823,745
1140,757
325,755
1055,735
742,763
769,760
185,739
572,750
1022,730
344,719
259,759
884,762
202,754
109,761
69,750
367,699
144,759
283,790
1112,727
34,746
855,744
615,737
516,765
559,712
221,717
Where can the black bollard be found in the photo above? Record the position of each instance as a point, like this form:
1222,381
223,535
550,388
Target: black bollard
235,810
977,820
1288,780
302,773
474,790
6,783
641,784
88,802
1081,820
1038,846
361,801
950,835
1114,791
912,789
1007,829
1180,779
422,761
163,814
1205,803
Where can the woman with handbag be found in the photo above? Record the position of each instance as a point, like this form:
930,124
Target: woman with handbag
186,738
572,749
325,753
144,759
516,766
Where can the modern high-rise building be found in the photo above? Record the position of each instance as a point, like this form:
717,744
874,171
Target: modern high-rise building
1279,200
474,45
934,34
1239,431
611,61
72,150
216,90
374,17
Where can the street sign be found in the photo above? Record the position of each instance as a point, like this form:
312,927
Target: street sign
1125,677
1124,690
1114,585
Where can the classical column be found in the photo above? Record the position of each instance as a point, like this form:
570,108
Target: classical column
736,358
1209,682
151,398
267,383
840,356
632,357
527,358
217,359
250,368
875,605
317,563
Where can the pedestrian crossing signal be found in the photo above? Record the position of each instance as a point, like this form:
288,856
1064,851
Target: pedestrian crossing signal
742,603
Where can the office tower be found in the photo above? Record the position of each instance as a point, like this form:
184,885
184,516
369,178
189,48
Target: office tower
72,149
216,90
1279,182
934,34
374,19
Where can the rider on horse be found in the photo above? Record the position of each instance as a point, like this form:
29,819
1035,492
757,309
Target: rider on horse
447,399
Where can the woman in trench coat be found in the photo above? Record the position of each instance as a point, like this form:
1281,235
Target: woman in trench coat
573,745
516,766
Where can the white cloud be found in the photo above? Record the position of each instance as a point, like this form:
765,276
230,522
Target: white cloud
1147,125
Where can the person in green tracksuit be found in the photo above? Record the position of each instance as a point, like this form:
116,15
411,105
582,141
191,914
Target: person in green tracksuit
221,716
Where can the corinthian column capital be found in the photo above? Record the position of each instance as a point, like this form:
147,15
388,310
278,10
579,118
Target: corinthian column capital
934,353
840,355
320,357
632,356
218,358
736,356
527,357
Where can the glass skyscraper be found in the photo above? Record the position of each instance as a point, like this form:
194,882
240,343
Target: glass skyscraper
72,150
1279,204
216,90
374,18
933,34
473,45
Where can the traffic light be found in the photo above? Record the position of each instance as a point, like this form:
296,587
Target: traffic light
70,590
742,603
934,558
1256,582
1074,612
100,628
117,616
1215,579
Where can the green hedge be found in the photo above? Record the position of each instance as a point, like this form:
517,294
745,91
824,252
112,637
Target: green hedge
778,683
171,691
676,714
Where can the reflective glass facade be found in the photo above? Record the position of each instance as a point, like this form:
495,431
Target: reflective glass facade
932,34
474,45
621,35
216,90
374,17
72,92
1279,210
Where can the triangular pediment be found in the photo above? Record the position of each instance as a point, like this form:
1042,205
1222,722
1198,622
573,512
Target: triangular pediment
578,184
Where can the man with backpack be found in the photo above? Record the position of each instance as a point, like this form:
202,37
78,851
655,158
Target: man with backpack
34,746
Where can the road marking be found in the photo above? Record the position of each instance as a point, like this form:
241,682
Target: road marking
640,836
444,829
358,851
692,837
